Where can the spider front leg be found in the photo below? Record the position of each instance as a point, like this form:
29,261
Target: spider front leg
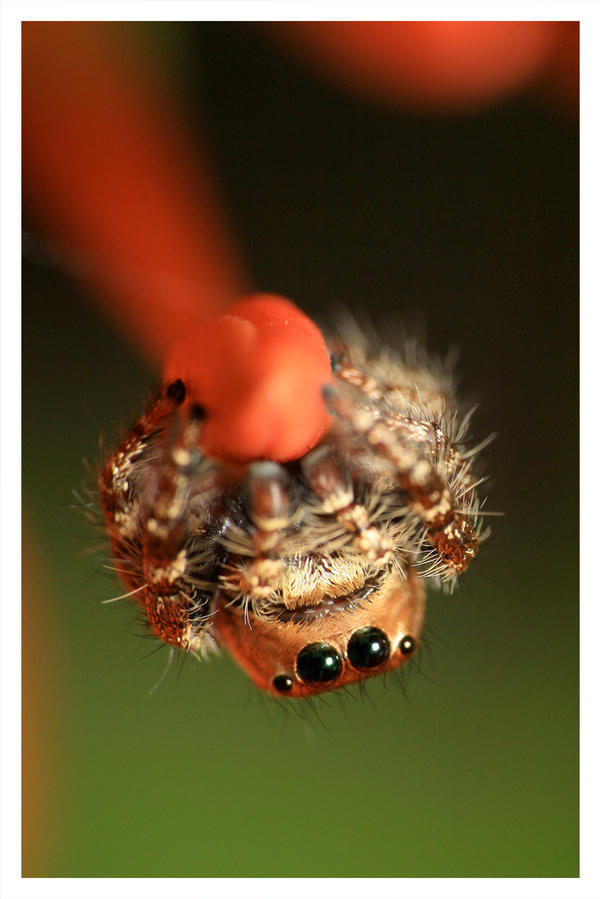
175,549
118,481
446,527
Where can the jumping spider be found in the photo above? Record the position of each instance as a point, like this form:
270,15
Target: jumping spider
310,572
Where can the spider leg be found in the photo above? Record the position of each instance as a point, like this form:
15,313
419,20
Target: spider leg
415,429
446,528
178,606
449,462
117,480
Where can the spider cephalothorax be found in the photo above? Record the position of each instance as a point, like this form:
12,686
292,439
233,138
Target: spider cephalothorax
310,572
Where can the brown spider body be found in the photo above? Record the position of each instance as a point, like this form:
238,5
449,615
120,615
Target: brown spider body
309,572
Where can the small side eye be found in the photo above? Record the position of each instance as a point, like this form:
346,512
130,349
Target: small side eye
368,648
176,391
283,683
318,663
407,645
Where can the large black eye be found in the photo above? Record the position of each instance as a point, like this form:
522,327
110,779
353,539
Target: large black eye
318,662
368,648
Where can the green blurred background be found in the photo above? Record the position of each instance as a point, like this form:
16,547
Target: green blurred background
467,229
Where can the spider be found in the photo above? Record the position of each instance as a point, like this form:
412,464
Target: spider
309,572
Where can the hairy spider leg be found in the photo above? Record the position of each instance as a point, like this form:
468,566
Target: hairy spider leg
445,453
446,528
149,544
117,481
178,609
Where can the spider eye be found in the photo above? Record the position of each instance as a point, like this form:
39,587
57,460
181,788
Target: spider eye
406,645
368,648
283,683
319,663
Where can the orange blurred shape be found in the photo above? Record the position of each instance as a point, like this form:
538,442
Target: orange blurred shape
108,170
559,83
258,371
440,66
